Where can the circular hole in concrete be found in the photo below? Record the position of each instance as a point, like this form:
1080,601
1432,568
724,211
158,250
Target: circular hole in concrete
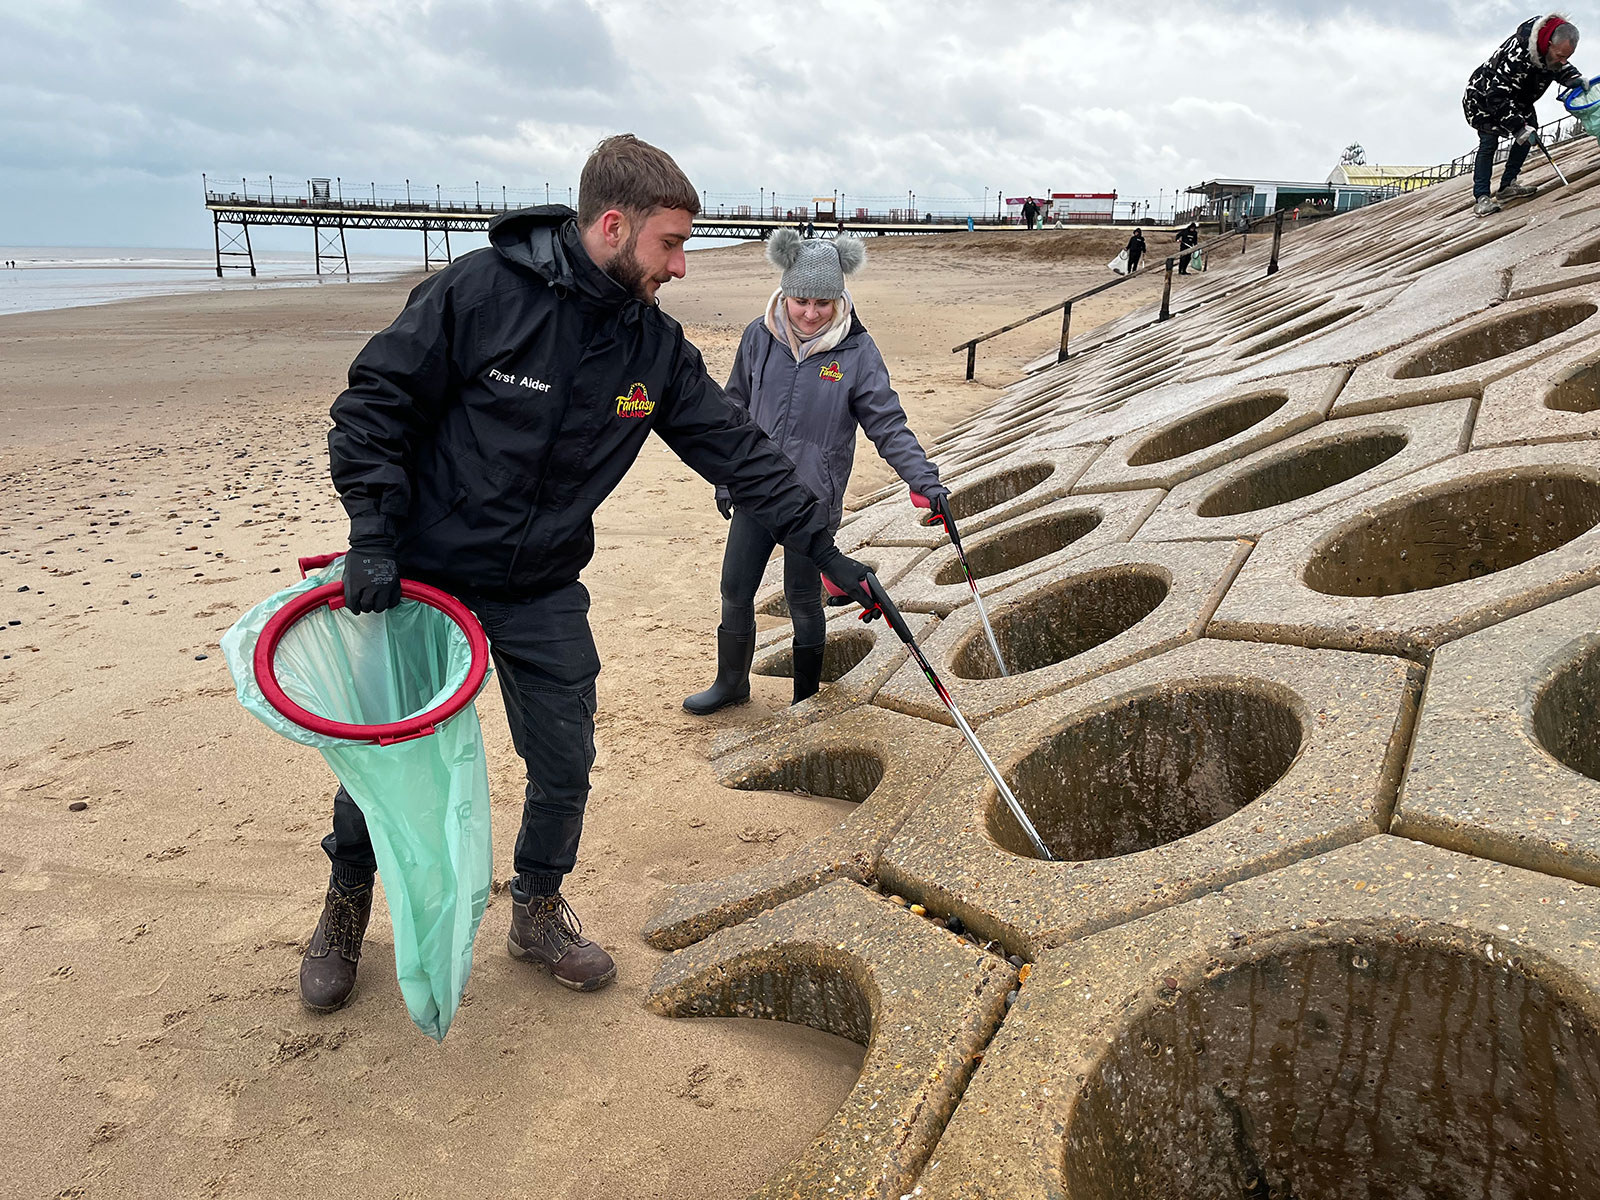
1497,339
996,490
1021,545
1352,1066
1300,330
1565,715
841,654
1301,473
1583,255
1157,768
1206,428
1578,392
840,774
1444,537
1062,620
1293,313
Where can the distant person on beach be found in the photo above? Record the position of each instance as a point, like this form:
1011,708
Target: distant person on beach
1135,250
1500,96
810,374
478,435
1188,236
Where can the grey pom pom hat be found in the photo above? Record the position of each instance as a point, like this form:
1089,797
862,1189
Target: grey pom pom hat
814,269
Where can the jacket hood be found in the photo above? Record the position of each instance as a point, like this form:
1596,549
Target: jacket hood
544,239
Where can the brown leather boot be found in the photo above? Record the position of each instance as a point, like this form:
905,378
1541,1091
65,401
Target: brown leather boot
328,970
545,929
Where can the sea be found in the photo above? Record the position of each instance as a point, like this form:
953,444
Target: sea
48,277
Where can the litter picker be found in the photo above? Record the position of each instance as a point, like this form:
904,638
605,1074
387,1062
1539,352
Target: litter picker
949,524
891,614
1539,142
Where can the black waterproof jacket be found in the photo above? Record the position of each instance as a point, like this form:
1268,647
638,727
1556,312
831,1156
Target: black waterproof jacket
1501,93
482,429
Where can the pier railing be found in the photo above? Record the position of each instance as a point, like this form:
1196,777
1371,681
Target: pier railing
1064,307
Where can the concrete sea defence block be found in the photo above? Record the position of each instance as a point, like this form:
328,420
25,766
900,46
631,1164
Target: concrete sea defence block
858,658
1169,778
1094,614
1036,541
923,1002
1389,1019
888,563
1306,473
1242,419
880,761
1556,398
1464,356
992,494
1506,759
1443,552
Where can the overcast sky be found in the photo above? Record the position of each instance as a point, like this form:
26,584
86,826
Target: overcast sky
111,109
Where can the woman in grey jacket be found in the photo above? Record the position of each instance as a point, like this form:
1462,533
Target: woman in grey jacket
810,374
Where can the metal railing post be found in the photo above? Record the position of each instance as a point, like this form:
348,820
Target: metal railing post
1166,294
972,358
1066,324
1277,237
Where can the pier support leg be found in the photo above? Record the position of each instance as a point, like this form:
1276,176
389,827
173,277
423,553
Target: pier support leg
216,238
249,250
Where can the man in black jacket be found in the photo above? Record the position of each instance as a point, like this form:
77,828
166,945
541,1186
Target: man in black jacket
1500,97
479,433
1188,236
1135,249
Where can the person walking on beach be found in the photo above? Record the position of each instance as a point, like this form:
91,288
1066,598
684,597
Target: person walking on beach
1136,249
1500,96
810,374
1188,236
479,433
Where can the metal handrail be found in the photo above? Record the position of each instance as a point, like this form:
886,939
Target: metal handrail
1065,306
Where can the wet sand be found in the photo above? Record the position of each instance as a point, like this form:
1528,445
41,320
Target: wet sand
163,464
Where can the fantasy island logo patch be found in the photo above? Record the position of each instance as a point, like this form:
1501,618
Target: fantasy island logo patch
832,371
636,403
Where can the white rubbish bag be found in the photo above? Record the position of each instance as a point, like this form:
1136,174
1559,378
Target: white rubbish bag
1119,264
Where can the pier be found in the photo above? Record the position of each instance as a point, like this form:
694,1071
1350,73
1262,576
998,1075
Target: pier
326,208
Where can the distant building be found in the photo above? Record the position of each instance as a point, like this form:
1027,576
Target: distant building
1349,186
1083,208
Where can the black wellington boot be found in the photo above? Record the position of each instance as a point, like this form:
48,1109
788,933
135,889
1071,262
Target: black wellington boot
734,654
807,671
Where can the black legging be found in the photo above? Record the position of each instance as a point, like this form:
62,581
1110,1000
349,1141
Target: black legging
745,561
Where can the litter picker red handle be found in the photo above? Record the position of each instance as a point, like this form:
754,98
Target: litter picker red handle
420,725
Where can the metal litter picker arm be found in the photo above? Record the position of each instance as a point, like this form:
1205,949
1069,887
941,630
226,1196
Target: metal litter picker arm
949,523
891,614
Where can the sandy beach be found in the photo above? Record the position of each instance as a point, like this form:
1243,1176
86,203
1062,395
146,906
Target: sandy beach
164,464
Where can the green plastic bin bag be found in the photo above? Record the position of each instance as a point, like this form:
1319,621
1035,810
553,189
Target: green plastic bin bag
388,700
1584,103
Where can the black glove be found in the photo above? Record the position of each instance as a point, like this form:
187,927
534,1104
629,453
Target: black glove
850,577
939,503
725,507
371,581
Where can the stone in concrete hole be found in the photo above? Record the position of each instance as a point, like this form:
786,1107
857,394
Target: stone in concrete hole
1497,339
1206,429
1303,473
840,774
1303,329
1061,621
1158,768
1566,716
1447,537
1578,392
1367,1067
841,653
988,493
1021,545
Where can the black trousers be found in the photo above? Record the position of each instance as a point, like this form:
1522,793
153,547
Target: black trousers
744,560
545,657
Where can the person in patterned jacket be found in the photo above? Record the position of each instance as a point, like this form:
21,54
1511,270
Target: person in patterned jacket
1500,96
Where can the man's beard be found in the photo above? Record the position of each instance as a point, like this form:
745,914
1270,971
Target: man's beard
626,269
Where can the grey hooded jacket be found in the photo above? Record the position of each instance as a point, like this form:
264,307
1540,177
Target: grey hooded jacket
811,410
